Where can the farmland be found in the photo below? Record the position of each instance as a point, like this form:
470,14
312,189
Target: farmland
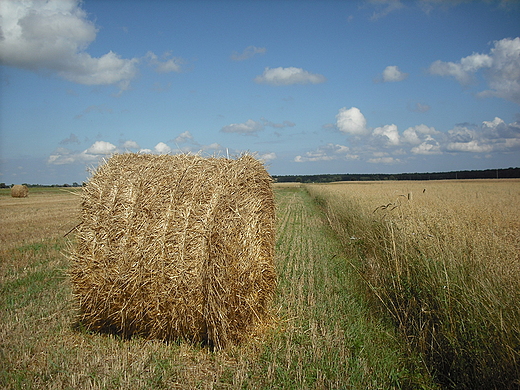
442,259
335,326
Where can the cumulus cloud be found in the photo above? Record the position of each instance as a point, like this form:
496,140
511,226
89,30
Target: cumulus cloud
53,36
101,147
417,134
248,52
351,121
428,146
387,145
490,136
388,133
327,153
130,145
471,146
184,137
501,69
393,74
250,127
167,64
92,154
289,76
462,71
162,148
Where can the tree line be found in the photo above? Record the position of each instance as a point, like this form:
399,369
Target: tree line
505,173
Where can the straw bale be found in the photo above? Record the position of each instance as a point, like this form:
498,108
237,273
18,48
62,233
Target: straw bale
19,191
176,246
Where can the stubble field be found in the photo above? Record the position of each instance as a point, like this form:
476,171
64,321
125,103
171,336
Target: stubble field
330,333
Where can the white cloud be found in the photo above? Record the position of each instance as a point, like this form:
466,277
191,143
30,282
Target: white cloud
464,70
162,148
417,134
384,160
53,35
184,137
491,136
248,52
213,146
393,74
130,145
167,65
266,157
250,127
501,65
327,153
288,76
94,153
428,147
101,147
389,132
471,146
63,156
351,121
504,75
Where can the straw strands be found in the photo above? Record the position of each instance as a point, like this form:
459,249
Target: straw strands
176,246
19,191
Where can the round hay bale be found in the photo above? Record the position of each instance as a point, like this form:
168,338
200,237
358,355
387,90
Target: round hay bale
176,246
19,191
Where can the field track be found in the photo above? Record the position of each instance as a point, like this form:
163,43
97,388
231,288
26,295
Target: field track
323,338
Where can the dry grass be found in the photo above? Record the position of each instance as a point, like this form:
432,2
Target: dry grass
443,259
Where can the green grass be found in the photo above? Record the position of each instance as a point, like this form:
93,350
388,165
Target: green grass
325,337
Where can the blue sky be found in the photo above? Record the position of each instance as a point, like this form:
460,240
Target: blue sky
310,86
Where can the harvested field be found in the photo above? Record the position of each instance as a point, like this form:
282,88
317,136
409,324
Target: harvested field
324,336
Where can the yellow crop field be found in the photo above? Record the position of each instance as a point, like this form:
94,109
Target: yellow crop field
443,258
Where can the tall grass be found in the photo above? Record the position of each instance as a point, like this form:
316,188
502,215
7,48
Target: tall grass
443,259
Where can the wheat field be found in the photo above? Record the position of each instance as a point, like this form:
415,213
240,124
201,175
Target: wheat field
443,259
